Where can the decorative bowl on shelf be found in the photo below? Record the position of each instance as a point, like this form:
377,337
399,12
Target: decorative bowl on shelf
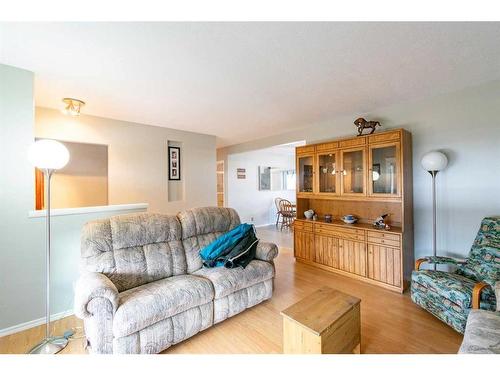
309,214
349,219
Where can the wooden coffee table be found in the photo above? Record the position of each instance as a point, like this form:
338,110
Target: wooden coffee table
327,321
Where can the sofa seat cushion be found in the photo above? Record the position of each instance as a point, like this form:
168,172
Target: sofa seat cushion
147,304
440,307
455,288
482,333
229,280
242,299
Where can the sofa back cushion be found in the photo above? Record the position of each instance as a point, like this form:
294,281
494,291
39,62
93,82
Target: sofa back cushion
200,227
133,250
483,262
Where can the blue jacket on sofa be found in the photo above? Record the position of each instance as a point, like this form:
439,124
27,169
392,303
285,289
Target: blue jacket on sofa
213,255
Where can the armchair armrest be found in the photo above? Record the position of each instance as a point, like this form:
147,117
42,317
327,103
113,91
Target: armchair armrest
438,260
92,285
266,251
476,294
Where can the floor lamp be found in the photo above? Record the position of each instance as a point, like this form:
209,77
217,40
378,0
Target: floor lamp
48,155
433,162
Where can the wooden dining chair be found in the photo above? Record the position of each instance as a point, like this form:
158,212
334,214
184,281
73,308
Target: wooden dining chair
278,210
287,212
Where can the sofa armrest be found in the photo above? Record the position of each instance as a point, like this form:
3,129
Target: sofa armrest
92,285
266,251
438,260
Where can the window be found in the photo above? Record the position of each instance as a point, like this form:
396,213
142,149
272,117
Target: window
290,180
271,178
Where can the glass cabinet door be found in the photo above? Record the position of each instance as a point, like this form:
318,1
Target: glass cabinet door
327,173
384,168
353,172
305,173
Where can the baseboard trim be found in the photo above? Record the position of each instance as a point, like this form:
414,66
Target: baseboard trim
33,323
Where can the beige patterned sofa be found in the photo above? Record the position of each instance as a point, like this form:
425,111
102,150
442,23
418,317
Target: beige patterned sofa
482,332
143,288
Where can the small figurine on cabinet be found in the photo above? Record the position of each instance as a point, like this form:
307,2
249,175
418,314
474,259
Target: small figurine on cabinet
362,124
380,223
328,218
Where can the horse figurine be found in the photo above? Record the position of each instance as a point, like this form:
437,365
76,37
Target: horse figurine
362,124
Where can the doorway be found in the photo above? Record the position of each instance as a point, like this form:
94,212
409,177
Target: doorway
254,179
220,183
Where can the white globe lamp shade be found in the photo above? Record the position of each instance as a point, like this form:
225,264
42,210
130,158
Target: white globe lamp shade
48,154
434,161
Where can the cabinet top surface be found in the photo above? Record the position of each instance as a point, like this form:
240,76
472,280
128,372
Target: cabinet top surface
353,137
341,224
321,309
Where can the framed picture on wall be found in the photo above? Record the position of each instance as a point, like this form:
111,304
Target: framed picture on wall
174,163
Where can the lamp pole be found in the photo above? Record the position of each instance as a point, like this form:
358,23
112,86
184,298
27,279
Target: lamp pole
48,175
434,242
433,162
48,156
49,345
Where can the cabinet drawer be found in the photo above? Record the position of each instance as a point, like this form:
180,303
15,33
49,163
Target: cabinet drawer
303,226
361,141
384,235
350,234
304,150
342,230
384,137
385,241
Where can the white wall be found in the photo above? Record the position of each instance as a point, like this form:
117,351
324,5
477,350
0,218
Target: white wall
244,195
137,159
21,252
137,174
466,126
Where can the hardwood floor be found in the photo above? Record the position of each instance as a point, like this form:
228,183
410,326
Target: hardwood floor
270,233
390,322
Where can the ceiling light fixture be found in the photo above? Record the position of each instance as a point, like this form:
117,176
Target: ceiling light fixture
73,106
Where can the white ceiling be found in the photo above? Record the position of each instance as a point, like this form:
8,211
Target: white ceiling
284,149
243,81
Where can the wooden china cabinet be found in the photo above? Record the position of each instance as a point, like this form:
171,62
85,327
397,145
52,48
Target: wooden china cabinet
365,176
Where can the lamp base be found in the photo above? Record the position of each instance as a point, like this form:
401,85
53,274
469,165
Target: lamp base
51,345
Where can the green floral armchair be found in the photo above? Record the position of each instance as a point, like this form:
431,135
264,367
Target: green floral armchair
451,295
